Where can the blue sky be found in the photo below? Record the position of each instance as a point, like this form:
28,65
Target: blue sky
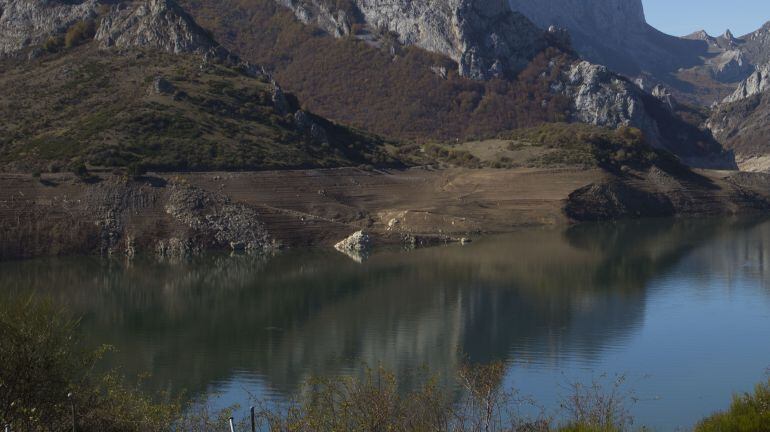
681,17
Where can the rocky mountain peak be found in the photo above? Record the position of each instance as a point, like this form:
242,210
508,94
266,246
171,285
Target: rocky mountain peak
28,23
700,35
159,24
484,37
757,82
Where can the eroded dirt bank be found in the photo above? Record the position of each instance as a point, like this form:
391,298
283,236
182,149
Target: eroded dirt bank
179,214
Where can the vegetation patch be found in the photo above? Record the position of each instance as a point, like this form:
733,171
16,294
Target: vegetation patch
749,412
587,145
163,112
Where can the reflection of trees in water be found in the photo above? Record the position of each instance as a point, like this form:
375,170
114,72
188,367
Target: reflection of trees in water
538,295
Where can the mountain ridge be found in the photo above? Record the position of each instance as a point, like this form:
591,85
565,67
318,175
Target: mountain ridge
699,67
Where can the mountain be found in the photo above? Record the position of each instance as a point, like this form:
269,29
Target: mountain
451,71
742,121
484,37
699,68
398,84
508,127
614,33
141,84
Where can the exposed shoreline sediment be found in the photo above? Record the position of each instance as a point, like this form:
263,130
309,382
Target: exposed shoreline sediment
186,213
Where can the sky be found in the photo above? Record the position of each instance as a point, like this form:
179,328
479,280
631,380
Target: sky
681,17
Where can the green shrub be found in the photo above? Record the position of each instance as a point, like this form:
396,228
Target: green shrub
80,170
747,413
80,32
577,143
450,156
45,372
53,43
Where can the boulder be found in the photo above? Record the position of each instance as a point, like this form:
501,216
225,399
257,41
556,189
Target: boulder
359,242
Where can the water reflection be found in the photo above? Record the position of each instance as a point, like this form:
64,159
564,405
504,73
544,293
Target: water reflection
540,297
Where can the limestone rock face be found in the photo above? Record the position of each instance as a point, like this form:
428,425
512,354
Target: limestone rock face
28,23
484,37
605,99
609,32
159,24
616,34
757,82
614,18
664,95
742,121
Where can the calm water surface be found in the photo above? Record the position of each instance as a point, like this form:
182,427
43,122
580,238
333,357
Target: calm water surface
682,308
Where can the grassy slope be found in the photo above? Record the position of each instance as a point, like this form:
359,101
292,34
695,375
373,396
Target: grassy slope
397,95
100,107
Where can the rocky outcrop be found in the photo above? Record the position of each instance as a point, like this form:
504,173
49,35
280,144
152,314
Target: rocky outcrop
216,221
742,122
664,95
159,24
730,66
605,99
305,124
756,45
484,37
356,246
615,199
757,82
29,23
359,242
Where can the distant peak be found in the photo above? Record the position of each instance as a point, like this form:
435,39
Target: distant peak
728,35
699,35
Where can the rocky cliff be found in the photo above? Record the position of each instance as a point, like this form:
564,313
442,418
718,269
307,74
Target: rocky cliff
612,32
158,24
757,82
484,37
742,121
27,23
603,98
699,67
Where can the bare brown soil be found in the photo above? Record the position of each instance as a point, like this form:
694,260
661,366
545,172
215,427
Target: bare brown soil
60,214
325,205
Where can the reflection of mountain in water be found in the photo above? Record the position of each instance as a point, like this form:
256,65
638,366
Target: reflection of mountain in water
539,295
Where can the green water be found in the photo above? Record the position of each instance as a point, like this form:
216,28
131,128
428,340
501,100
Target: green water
682,308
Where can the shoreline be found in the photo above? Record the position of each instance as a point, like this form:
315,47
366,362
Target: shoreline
186,213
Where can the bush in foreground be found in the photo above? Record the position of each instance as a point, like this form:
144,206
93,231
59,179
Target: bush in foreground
749,412
45,372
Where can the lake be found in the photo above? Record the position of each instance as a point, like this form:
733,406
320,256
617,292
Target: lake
681,308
